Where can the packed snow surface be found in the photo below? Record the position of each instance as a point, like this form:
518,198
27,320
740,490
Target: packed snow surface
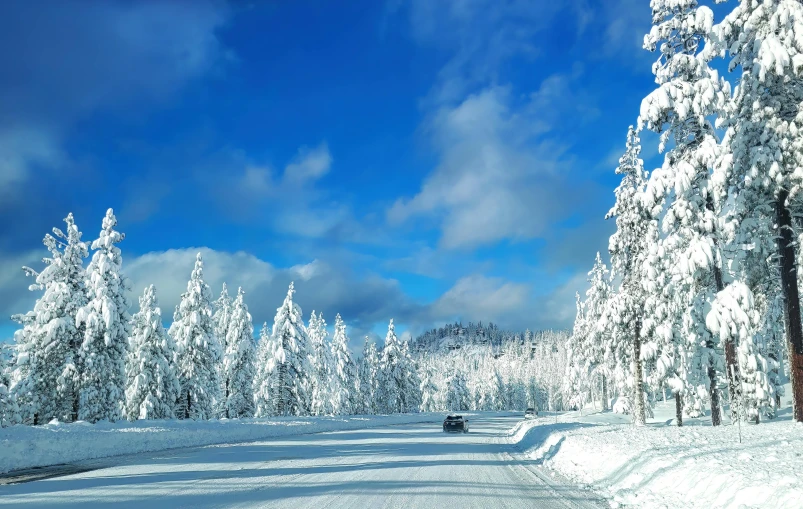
662,466
55,443
402,466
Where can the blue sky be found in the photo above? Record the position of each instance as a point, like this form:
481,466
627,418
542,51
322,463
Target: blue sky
423,160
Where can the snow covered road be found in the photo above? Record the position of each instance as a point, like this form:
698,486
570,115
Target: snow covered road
413,465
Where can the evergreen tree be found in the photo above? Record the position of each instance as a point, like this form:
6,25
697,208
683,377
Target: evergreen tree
321,375
390,375
368,374
457,396
48,345
152,386
628,247
428,389
103,351
763,146
198,351
238,371
221,315
409,383
9,410
265,369
499,395
291,389
343,370
688,93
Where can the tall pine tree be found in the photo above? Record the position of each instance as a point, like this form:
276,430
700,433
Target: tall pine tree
152,386
105,316
238,370
48,345
291,379
343,370
198,351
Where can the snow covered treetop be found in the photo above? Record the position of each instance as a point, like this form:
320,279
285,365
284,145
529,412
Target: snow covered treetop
391,336
108,234
198,270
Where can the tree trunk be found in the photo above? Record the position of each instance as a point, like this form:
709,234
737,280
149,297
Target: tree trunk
639,415
716,417
679,409
732,368
189,403
604,394
226,401
75,406
794,329
731,360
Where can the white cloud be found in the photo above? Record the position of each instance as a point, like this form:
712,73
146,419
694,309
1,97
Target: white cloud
309,164
498,177
557,309
479,35
477,297
362,299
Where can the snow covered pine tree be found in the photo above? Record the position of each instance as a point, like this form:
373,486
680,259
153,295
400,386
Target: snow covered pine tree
198,350
48,345
105,316
152,386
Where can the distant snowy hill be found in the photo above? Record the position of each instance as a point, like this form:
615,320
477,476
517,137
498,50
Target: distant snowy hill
457,336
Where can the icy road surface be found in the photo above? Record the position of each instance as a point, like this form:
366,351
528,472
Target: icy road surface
414,465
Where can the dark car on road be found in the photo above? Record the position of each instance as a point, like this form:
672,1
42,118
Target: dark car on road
530,413
455,423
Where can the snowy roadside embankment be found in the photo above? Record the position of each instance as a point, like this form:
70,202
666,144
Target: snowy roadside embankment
51,444
661,466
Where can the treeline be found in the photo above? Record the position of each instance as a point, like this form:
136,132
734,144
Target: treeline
80,356
522,371
702,297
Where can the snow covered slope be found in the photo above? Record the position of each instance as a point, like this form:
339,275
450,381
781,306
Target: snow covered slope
663,466
51,444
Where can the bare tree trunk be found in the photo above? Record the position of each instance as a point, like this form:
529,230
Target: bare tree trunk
604,394
794,329
226,401
75,406
716,413
732,368
679,409
639,414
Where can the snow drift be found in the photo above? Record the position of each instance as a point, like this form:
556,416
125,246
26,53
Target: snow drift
660,465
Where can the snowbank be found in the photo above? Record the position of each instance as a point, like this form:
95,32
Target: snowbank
52,444
662,466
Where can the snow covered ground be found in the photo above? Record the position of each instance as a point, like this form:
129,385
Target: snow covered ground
662,466
34,446
410,465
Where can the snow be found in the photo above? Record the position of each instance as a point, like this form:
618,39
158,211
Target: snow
56,443
662,466
410,465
